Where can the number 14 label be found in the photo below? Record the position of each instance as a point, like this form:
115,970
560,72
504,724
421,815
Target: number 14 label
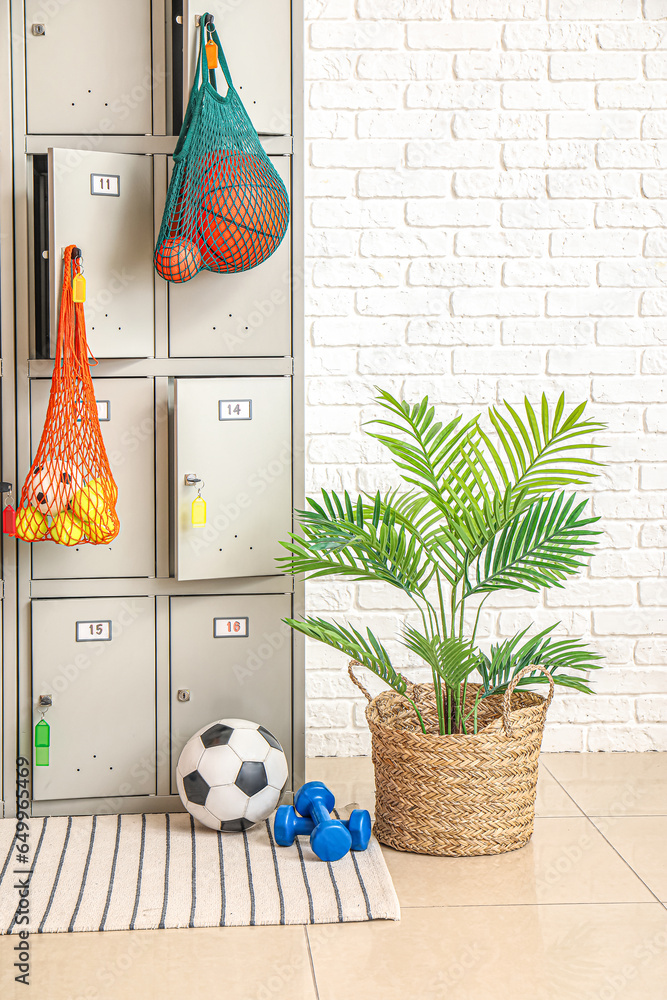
235,409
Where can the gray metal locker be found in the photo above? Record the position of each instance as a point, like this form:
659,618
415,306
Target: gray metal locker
235,435
103,203
256,39
95,658
88,65
236,315
230,659
204,378
127,418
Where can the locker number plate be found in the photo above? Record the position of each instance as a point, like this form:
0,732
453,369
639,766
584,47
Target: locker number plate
230,628
93,631
103,409
105,184
235,409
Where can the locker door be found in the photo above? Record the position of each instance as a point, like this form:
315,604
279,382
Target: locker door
227,673
256,40
127,418
103,203
236,315
102,718
234,434
88,67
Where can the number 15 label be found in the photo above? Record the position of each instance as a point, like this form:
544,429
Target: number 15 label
93,631
235,409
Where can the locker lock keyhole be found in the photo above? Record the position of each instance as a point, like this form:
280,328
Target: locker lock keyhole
183,694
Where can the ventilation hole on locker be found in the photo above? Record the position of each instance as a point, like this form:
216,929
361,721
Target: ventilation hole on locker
251,548
94,756
119,328
111,769
254,102
246,328
72,103
90,91
106,315
214,328
236,536
230,315
106,104
78,768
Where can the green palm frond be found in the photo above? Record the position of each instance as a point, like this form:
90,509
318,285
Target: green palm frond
342,538
559,656
369,651
430,446
546,453
452,659
469,493
550,541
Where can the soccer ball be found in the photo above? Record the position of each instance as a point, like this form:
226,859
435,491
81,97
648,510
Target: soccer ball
230,774
51,488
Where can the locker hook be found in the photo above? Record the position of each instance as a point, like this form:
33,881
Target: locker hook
44,703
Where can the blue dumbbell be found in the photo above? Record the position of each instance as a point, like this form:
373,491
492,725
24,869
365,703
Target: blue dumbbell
330,839
288,826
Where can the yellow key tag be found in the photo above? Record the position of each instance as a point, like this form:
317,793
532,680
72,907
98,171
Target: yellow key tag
79,288
212,55
198,512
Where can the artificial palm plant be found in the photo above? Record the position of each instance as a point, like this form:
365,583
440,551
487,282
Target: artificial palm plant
482,510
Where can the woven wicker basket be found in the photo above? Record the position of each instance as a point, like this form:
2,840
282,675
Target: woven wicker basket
456,795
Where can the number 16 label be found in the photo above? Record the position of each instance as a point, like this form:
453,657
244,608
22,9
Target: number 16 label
235,409
93,631
229,628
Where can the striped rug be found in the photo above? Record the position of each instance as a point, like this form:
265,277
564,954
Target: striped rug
102,873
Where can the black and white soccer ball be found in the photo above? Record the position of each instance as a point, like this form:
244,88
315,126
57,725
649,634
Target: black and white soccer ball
51,487
230,774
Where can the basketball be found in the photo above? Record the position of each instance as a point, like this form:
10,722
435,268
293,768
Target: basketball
243,216
178,259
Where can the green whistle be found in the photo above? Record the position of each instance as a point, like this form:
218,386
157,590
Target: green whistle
42,743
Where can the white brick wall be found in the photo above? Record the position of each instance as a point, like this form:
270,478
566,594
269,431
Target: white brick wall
487,202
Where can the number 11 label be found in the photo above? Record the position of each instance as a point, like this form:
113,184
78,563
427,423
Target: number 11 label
105,184
235,409
93,631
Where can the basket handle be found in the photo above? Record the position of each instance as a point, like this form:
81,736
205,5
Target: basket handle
355,663
507,698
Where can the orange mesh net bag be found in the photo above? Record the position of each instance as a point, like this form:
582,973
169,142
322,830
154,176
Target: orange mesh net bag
69,494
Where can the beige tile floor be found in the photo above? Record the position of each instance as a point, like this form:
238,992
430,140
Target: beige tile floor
578,914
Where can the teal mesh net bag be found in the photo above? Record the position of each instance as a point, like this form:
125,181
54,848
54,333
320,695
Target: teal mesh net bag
227,208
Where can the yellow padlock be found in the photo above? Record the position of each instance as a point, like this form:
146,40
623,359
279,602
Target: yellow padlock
79,288
198,512
212,55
